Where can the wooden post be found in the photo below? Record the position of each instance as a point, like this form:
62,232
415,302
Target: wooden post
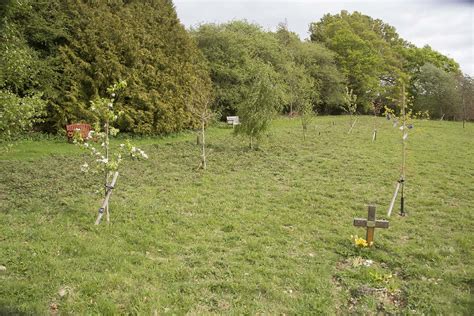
353,124
370,223
392,203
374,135
105,203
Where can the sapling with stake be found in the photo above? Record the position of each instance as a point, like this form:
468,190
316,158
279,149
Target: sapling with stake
199,105
376,108
350,106
106,159
406,125
306,114
303,95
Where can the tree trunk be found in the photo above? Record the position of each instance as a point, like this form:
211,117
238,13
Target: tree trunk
106,171
374,136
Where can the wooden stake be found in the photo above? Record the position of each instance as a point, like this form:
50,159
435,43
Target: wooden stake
392,203
105,203
353,124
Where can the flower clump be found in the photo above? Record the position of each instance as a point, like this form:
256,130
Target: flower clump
360,242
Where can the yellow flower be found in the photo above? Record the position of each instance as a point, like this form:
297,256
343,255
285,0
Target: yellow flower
360,242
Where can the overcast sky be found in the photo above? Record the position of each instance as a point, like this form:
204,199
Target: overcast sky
445,25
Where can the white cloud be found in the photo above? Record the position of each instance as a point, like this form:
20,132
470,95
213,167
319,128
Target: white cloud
447,26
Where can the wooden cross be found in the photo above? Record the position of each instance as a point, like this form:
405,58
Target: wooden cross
371,224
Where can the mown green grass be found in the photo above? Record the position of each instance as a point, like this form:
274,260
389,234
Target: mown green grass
263,231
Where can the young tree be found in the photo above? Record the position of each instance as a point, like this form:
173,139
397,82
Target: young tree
260,105
106,160
306,112
376,108
350,107
200,107
302,94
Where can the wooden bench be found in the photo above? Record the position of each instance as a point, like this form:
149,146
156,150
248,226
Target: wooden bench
233,120
84,129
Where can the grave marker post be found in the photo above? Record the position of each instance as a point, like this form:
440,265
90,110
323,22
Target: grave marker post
370,223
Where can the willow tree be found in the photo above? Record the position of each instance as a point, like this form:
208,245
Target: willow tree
261,103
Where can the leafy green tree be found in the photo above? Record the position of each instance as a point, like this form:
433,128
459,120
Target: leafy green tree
416,57
466,91
437,92
235,52
327,89
18,114
367,53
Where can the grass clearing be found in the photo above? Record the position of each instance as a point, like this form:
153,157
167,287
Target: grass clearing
264,231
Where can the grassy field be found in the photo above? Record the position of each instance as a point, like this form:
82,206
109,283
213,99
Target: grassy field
266,231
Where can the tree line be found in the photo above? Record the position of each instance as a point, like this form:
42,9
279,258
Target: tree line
57,56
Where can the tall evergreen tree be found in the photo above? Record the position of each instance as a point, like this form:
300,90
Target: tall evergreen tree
82,47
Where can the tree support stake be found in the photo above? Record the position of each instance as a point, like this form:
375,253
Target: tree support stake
105,203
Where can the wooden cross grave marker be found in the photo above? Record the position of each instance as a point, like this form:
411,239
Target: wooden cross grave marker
371,223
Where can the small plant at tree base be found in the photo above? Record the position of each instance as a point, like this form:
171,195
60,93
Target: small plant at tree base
350,106
106,160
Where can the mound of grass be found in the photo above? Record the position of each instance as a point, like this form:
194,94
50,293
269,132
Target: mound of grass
261,231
